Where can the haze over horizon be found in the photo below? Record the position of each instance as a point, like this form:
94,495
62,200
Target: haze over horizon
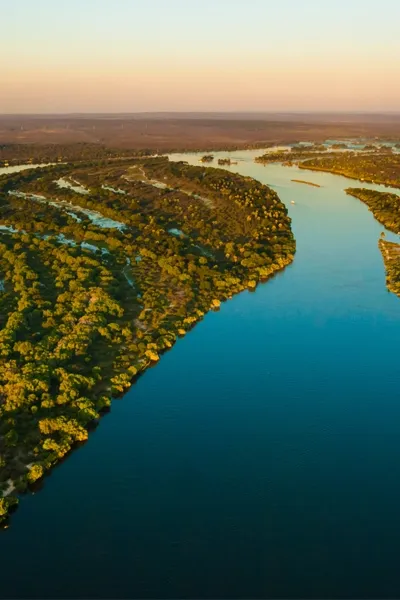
234,56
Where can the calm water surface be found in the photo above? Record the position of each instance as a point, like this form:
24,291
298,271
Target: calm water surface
17,168
260,458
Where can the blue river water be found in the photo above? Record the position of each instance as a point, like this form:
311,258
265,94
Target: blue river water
260,458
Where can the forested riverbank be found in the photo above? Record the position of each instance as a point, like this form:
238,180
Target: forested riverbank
243,416
384,206
391,258
380,167
377,165
100,274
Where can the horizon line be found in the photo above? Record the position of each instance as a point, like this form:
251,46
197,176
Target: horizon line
205,112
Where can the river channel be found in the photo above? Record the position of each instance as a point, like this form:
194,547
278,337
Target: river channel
260,458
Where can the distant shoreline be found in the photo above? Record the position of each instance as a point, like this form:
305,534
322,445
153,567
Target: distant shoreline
192,132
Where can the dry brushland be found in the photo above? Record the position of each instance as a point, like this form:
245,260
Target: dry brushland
164,132
104,263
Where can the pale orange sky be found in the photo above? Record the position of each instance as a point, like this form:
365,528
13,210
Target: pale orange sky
126,56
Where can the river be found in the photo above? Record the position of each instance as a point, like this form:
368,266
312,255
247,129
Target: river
18,168
260,458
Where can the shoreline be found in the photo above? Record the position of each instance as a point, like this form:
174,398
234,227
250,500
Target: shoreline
364,194
136,329
391,259
11,495
335,172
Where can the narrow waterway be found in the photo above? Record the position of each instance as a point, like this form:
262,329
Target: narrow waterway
260,458
18,168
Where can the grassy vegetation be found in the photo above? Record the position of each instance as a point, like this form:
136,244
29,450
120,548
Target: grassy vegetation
98,279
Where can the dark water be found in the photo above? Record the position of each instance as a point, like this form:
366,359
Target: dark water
260,458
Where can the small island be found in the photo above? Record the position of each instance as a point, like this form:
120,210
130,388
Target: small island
314,148
339,146
104,265
292,156
207,158
305,182
309,148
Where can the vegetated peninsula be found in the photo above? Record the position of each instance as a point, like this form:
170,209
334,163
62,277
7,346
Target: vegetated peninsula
386,209
375,167
104,263
291,156
391,259
384,206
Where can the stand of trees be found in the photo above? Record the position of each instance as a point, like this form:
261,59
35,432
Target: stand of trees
87,304
16,154
384,206
391,258
381,167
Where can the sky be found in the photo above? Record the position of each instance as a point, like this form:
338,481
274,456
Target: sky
63,56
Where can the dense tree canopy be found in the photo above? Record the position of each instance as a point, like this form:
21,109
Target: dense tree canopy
391,258
384,206
15,154
381,166
103,265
